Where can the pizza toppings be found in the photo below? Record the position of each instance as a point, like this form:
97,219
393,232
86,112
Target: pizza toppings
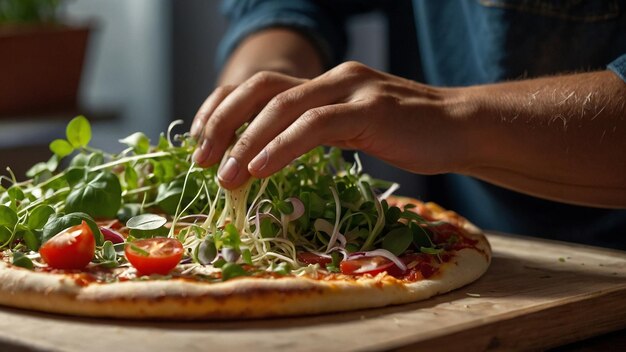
72,248
370,265
112,235
320,216
154,255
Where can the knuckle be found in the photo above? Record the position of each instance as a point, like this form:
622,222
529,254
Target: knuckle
278,142
383,101
313,117
352,68
244,144
281,145
222,91
281,101
261,79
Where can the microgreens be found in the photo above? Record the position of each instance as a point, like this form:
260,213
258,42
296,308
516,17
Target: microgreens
319,203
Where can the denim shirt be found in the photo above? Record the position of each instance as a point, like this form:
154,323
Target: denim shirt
468,42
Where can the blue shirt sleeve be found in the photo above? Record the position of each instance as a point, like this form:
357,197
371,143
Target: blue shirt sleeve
324,28
619,67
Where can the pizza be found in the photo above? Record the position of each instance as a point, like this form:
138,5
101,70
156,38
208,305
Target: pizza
146,234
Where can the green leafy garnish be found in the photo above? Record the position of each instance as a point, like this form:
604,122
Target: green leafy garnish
231,270
19,259
318,203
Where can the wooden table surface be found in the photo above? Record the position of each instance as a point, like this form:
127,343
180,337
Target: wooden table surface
537,294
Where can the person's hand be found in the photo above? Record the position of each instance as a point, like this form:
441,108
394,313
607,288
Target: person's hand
410,125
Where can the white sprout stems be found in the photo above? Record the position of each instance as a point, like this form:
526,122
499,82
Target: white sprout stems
333,237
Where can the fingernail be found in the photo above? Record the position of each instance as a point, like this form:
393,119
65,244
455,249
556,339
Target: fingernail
229,170
195,128
202,153
259,162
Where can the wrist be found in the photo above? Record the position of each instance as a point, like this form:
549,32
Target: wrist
460,109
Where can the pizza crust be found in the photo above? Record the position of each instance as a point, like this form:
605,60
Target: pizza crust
237,298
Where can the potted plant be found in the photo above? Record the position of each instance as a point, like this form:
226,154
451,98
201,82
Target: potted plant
41,58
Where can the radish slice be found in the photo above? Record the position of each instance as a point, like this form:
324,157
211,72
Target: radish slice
298,209
111,235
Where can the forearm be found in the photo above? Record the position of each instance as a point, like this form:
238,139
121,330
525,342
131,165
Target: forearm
275,49
562,138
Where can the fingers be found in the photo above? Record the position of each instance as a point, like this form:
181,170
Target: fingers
235,109
207,108
275,117
337,125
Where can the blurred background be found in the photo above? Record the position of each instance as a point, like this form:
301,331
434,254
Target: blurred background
134,66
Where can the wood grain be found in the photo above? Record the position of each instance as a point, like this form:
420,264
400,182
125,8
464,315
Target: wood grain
529,299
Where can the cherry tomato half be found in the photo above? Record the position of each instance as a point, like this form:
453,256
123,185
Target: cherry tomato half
157,255
72,248
369,265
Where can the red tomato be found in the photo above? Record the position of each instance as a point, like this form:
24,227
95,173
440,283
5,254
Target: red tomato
72,248
369,265
157,255
310,258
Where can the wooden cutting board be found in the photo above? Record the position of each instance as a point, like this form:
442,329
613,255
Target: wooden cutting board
536,294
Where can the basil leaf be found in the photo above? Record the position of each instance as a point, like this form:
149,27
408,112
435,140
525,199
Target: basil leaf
108,252
75,175
39,216
146,222
99,197
31,240
421,235
231,270
5,234
21,260
78,132
397,241
169,194
56,224
8,216
61,148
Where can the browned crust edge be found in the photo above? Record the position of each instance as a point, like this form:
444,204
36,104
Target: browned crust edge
234,299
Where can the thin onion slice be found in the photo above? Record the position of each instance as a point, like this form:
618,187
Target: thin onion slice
298,209
381,253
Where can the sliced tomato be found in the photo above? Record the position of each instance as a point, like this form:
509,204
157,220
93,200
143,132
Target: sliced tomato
72,248
369,265
157,255
311,258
